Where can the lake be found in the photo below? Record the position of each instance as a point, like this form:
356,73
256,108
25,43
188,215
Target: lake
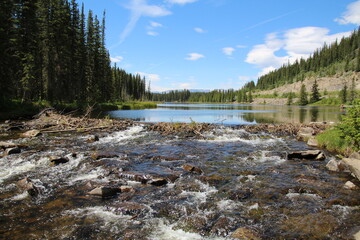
230,114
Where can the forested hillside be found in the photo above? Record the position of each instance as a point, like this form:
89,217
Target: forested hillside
50,50
338,59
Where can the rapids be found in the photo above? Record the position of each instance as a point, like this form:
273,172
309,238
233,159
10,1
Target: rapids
247,187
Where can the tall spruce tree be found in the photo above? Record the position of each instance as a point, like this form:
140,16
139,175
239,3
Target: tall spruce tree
303,96
315,94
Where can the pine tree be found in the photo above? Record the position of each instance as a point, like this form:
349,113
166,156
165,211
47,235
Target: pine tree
352,96
303,96
343,94
315,94
290,99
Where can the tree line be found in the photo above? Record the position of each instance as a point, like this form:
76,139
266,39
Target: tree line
50,50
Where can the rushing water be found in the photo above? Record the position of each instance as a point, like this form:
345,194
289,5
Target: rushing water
246,183
231,113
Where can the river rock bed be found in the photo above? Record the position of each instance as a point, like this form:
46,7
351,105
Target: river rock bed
147,182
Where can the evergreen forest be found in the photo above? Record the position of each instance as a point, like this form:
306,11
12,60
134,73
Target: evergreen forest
51,50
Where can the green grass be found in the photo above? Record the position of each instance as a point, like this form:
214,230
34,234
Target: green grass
331,101
136,105
331,140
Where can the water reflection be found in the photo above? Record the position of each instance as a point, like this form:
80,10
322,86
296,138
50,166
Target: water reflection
230,114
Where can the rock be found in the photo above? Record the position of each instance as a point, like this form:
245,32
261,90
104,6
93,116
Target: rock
304,133
350,185
357,235
353,165
313,142
308,155
127,189
192,169
355,155
158,182
245,234
10,151
104,154
333,165
129,208
135,176
222,226
93,138
31,133
56,160
105,192
15,127
5,145
26,184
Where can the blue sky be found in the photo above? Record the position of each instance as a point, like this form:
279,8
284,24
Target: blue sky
218,44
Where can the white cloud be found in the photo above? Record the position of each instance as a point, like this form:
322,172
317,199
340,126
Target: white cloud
155,24
352,15
150,76
140,8
152,33
116,59
182,2
293,44
194,56
228,51
241,46
199,30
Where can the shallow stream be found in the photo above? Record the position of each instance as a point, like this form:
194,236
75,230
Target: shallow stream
247,186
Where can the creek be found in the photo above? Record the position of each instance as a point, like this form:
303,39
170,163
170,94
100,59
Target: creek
247,188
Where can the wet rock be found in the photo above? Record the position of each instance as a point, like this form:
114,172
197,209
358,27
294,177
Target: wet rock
56,160
350,185
353,165
239,195
308,155
129,208
93,138
333,165
304,133
104,154
245,234
15,127
10,151
214,179
135,176
105,192
31,133
5,145
222,226
313,142
127,189
27,185
357,235
157,182
192,169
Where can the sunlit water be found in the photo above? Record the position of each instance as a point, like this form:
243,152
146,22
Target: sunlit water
231,113
246,183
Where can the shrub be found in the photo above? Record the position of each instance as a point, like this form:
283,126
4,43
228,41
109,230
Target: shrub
350,125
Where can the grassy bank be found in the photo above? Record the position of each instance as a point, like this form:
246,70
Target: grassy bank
16,109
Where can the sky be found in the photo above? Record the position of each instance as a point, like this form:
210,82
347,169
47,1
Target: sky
218,44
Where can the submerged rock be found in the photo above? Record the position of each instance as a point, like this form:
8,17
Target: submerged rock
104,154
192,169
245,234
31,133
93,138
308,155
353,165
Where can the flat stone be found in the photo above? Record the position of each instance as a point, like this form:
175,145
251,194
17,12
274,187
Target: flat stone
245,234
304,133
353,165
105,192
127,189
158,182
308,155
5,145
355,155
31,133
357,235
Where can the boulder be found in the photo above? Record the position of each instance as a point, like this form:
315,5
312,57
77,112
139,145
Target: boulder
105,192
304,133
353,165
355,155
350,185
10,151
357,235
127,189
245,234
93,138
31,133
333,165
56,160
192,169
313,142
308,155
27,185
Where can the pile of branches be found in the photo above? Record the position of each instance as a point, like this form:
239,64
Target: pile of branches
182,129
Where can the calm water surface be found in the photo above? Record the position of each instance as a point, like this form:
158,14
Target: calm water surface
230,113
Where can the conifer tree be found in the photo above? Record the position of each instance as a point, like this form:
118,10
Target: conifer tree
303,96
344,94
315,94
